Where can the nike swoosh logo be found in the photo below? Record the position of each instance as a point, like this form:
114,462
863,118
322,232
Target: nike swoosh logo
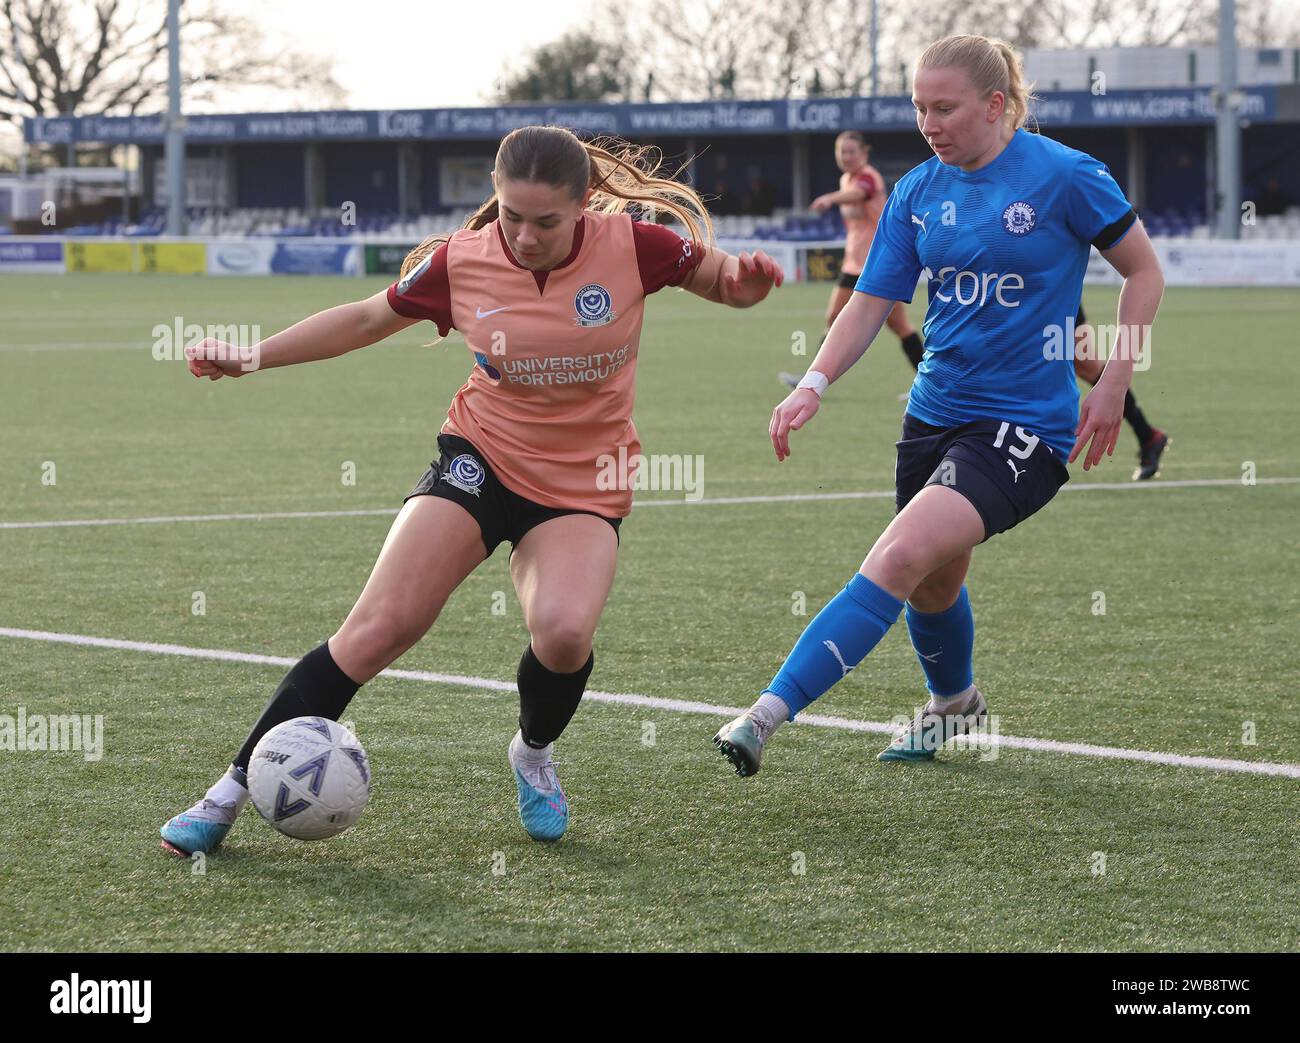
479,313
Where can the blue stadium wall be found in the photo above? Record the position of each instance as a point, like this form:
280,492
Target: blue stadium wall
1160,140
1176,175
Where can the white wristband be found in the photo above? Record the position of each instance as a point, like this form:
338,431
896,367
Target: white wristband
814,382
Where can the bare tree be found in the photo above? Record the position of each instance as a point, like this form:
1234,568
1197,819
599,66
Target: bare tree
708,49
96,57
1261,23
579,66
699,48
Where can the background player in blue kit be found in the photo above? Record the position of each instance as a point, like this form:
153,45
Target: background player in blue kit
1000,223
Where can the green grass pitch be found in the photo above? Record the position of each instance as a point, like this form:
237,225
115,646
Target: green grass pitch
667,848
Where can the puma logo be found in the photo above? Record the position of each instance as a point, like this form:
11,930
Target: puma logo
838,658
1016,471
920,221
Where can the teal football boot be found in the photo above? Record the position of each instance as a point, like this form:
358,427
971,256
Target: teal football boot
202,828
543,808
929,731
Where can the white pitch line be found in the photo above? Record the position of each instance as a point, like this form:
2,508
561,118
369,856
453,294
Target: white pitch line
882,494
1079,749
165,519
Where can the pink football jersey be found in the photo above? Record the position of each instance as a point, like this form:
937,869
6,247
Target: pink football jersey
549,400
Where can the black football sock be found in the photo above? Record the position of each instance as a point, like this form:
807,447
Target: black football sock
547,700
314,687
913,349
1144,431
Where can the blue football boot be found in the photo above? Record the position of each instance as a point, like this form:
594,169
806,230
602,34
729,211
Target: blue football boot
543,809
202,828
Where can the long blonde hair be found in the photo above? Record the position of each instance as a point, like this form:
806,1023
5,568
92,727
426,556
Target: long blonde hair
618,172
992,65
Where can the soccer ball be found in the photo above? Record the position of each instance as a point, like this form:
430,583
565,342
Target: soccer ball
309,778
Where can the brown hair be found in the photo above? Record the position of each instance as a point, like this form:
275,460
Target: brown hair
618,172
993,65
855,135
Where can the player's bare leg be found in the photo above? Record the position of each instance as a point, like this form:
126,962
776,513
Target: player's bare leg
431,547
940,588
563,570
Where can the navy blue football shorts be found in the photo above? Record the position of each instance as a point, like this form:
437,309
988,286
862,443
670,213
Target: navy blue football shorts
1005,471
462,474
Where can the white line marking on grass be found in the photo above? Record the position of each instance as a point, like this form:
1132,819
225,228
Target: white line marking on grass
1079,749
164,519
882,494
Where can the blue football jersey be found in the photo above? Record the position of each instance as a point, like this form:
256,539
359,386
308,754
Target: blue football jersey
1003,250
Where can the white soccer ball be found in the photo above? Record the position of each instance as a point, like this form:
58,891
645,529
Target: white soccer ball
309,778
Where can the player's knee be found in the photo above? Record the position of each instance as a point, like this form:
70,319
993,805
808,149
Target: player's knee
373,640
561,641
898,561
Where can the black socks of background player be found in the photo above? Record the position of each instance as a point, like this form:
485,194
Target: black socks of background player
913,349
1144,431
314,687
547,700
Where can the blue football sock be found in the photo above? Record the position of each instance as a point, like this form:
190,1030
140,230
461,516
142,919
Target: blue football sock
943,642
838,639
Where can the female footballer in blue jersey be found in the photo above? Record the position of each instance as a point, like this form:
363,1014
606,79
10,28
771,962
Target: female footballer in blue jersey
1000,223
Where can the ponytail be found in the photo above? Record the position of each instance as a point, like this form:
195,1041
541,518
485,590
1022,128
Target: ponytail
618,174
992,65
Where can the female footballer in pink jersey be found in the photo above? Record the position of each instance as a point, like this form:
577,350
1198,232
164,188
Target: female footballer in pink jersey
547,282
861,199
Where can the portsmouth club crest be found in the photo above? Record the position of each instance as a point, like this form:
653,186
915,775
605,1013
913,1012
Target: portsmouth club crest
465,473
593,305
1019,218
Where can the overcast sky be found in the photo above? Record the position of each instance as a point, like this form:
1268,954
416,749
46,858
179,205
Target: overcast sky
427,54
392,54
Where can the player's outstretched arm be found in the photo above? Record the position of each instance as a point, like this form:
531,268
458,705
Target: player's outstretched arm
325,335
1102,414
824,202
850,335
739,282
